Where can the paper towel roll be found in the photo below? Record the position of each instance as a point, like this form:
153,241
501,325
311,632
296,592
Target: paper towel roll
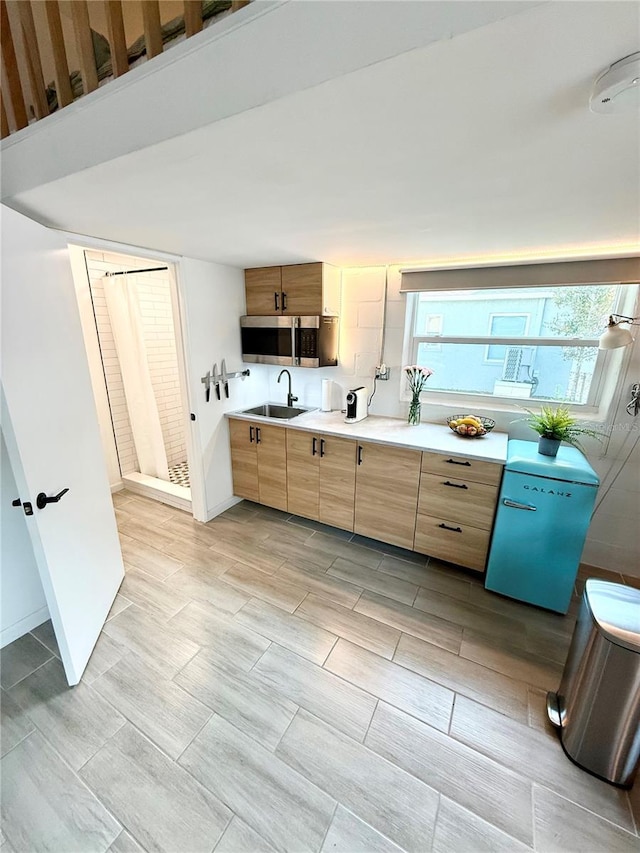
326,395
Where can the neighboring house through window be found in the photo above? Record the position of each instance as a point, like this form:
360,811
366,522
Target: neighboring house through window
516,342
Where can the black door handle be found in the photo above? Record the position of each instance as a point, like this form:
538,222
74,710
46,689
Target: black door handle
321,447
257,435
42,500
314,446
455,462
446,527
454,485
359,454
284,301
275,298
251,428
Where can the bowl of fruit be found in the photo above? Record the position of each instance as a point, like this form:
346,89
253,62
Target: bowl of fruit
470,426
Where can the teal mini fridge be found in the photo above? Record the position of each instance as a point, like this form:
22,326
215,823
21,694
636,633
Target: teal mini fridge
544,510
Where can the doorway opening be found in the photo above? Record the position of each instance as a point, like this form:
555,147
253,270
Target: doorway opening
134,319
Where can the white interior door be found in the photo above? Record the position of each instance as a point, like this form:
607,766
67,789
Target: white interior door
52,435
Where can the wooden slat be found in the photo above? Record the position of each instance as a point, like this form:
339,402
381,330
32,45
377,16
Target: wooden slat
26,44
5,123
115,28
10,69
152,31
84,44
61,68
192,17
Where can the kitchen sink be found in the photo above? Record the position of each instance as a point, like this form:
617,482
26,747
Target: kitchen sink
275,410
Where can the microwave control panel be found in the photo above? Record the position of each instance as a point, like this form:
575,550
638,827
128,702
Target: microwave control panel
308,343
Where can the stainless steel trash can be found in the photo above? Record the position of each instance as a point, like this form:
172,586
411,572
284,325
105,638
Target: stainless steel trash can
597,706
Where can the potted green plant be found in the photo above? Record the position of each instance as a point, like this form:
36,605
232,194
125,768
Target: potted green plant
557,425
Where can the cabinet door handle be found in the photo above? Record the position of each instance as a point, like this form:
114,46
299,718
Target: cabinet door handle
258,435
455,462
284,301
314,446
251,436
275,297
359,454
321,447
446,527
454,485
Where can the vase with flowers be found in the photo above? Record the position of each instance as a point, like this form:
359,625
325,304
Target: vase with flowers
417,378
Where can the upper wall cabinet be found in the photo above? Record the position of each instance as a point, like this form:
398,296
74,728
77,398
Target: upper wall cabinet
297,289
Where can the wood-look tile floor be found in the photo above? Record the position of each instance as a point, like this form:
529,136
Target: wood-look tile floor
265,683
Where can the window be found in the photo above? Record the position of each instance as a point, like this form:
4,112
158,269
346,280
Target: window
504,326
431,326
523,343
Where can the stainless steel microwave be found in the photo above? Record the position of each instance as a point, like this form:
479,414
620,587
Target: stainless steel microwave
295,341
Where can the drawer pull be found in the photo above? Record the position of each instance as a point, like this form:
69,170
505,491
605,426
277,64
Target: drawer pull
314,447
258,435
455,485
359,454
251,436
455,462
446,527
322,442
275,299
516,505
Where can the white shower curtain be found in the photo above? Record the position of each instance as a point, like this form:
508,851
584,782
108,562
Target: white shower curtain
126,323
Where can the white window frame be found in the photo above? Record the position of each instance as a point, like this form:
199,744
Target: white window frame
504,314
607,371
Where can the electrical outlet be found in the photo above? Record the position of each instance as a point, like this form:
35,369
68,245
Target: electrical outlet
383,372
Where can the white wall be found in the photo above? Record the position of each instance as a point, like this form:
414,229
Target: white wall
614,536
225,70
22,602
613,540
213,301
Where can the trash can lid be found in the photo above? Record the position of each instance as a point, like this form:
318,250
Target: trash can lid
616,611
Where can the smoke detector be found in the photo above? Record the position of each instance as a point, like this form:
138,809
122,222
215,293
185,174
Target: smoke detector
617,90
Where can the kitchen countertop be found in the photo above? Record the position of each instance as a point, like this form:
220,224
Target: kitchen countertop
396,432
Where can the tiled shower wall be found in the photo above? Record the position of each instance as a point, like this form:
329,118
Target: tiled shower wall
155,308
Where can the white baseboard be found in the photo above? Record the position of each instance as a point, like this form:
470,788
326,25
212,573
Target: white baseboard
23,626
222,507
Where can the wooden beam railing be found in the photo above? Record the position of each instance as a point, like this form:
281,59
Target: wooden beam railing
117,43
51,58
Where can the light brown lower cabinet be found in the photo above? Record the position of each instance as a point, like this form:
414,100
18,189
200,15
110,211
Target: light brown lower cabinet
259,462
387,481
433,503
456,507
451,541
321,472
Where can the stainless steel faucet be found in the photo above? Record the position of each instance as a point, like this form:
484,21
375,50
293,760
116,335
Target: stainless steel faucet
290,398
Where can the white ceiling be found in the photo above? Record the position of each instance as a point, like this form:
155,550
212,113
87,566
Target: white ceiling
480,145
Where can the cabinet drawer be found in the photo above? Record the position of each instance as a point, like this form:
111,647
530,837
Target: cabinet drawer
464,545
458,466
465,502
